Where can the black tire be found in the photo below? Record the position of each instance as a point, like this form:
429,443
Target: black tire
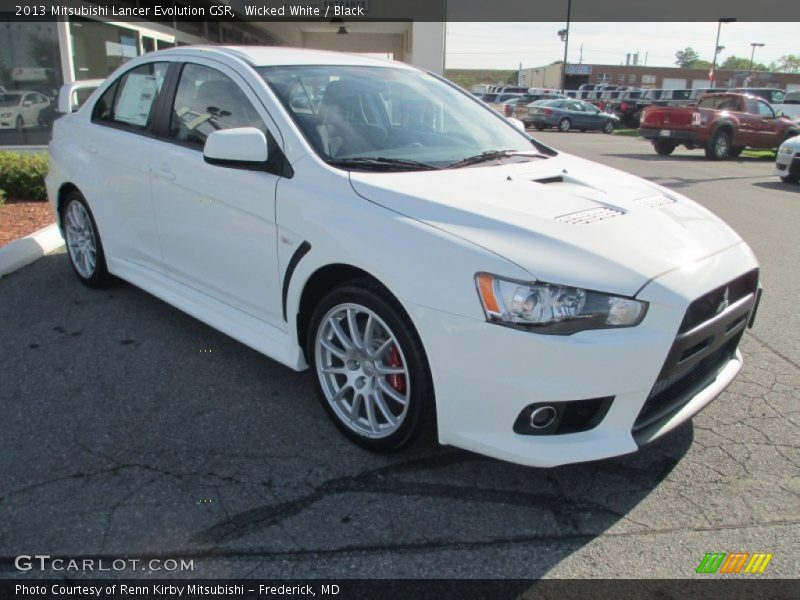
420,415
790,179
20,124
790,134
664,147
608,127
99,277
719,147
564,125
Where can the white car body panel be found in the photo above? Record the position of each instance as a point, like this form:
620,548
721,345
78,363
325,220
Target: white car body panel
217,243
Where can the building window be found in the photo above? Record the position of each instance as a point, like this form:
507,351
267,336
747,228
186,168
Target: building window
603,77
30,76
99,48
632,78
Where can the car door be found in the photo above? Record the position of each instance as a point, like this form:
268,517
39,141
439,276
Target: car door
770,131
593,119
115,146
216,223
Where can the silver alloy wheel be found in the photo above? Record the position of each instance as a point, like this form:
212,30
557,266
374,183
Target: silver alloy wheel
564,124
81,243
608,127
721,145
360,365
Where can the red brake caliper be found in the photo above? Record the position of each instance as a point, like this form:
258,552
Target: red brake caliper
398,382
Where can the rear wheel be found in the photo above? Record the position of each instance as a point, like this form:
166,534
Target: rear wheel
664,147
84,248
719,147
371,373
564,124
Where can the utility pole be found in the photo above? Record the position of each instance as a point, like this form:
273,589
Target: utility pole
752,55
565,38
580,60
711,74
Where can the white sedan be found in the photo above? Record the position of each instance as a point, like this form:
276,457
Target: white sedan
787,161
430,262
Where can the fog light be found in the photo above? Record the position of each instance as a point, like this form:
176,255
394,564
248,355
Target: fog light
543,417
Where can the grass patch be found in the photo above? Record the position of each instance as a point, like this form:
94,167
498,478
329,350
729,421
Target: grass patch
627,132
761,154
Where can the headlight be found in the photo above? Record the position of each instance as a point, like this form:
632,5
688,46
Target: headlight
554,309
786,149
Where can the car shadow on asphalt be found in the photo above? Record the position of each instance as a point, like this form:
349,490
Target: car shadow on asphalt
779,186
173,439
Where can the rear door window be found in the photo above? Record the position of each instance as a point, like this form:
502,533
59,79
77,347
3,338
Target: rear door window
130,100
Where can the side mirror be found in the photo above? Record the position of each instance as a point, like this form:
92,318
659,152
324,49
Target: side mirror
241,147
27,103
779,114
518,124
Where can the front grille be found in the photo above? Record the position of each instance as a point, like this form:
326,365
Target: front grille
669,395
706,342
708,305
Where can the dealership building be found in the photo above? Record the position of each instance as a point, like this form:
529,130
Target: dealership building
642,76
37,57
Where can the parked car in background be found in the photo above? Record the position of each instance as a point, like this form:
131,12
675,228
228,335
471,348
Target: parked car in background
627,106
496,101
568,114
518,107
790,105
771,95
22,109
722,124
787,161
579,313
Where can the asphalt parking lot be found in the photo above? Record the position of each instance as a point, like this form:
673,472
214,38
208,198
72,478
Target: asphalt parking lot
130,429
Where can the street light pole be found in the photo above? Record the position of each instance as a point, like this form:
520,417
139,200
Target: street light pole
752,55
565,39
712,74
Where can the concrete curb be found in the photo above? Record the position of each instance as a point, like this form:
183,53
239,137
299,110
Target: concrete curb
25,250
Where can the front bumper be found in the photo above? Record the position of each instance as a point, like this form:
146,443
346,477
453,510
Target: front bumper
485,375
787,165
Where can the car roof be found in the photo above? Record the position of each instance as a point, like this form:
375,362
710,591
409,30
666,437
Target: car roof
266,56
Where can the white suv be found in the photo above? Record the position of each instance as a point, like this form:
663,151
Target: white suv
428,260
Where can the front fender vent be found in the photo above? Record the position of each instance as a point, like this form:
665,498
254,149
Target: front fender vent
593,215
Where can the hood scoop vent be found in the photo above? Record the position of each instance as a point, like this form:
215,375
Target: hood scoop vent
653,201
593,215
546,180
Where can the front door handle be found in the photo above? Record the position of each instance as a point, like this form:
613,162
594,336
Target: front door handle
166,172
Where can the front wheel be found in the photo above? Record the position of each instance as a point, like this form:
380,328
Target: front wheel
371,372
84,248
608,127
720,146
564,124
790,178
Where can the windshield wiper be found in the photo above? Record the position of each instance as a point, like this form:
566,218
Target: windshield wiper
379,163
492,155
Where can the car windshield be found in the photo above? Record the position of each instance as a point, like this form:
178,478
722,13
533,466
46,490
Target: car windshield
10,99
391,114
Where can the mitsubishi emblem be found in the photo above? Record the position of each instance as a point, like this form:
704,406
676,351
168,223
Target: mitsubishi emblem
726,301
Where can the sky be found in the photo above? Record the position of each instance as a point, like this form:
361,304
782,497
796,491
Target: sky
505,45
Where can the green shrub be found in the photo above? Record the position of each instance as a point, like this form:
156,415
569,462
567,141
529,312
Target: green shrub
22,175
2,197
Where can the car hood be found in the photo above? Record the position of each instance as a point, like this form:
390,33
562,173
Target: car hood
563,219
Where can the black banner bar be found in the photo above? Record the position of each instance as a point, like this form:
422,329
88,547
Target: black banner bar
747,587
406,10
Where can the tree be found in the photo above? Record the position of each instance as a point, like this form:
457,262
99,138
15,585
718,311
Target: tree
688,58
738,63
789,63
